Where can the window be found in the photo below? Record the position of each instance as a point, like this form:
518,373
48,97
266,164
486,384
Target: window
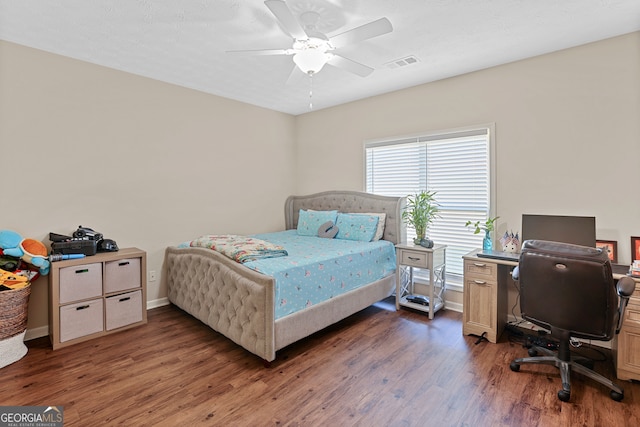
457,165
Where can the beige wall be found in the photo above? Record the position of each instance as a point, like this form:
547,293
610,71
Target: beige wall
567,134
148,163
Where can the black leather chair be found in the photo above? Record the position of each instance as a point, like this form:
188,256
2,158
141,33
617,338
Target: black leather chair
570,291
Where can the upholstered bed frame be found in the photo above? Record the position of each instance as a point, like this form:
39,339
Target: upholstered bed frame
239,302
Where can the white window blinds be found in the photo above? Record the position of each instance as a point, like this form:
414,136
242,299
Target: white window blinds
456,165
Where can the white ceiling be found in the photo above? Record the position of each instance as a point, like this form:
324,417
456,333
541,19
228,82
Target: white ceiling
184,42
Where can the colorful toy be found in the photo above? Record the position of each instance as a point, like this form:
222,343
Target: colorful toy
13,280
31,251
510,242
9,239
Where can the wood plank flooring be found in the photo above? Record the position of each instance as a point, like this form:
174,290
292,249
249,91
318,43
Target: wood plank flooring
376,368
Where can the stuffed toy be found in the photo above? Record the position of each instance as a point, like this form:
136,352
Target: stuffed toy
12,280
31,251
510,242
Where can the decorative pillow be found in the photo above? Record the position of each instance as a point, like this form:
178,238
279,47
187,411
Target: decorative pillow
309,221
328,230
356,227
382,217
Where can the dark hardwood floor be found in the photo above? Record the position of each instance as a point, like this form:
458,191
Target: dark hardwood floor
377,368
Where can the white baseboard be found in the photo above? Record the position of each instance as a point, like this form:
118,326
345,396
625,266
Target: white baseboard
43,331
38,332
157,303
453,306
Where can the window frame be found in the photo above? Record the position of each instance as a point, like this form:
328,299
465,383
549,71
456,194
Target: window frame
454,281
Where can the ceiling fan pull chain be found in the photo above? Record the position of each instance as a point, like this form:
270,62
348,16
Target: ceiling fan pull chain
310,91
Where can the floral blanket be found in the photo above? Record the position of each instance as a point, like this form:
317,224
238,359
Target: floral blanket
239,248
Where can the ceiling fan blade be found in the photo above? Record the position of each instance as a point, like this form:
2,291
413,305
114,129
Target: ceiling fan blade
286,18
261,52
363,32
295,76
349,65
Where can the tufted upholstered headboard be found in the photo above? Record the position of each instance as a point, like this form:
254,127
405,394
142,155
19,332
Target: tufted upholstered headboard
351,202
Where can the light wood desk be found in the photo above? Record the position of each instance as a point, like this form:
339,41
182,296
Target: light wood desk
485,310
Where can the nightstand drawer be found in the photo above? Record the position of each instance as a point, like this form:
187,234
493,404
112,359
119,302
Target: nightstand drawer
413,258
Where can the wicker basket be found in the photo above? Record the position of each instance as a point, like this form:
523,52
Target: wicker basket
14,306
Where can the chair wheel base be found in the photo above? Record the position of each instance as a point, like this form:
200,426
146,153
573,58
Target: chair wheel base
564,395
587,364
616,396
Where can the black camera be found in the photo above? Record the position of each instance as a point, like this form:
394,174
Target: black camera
87,233
85,241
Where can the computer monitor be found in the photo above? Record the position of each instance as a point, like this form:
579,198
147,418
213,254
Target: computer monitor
578,230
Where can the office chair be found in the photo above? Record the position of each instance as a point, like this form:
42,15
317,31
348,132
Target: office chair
570,291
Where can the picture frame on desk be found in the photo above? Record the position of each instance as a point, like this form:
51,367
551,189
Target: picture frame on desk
611,247
635,248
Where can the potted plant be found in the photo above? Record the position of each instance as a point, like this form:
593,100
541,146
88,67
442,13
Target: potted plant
420,212
488,226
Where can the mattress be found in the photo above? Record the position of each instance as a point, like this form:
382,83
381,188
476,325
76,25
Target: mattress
318,269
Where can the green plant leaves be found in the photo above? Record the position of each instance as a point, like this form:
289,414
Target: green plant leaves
421,211
489,225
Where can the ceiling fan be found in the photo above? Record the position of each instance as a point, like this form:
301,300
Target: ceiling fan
311,49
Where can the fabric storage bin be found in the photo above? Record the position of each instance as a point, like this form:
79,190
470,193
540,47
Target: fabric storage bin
122,275
123,309
81,319
14,305
80,282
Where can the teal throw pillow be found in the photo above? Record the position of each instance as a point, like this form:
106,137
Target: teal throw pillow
309,221
356,227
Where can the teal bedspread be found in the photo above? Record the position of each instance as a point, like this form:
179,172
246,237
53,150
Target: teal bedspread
318,269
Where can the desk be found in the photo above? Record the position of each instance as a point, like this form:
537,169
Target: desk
484,303
485,310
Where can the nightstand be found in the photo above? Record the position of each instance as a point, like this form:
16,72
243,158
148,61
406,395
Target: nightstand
408,257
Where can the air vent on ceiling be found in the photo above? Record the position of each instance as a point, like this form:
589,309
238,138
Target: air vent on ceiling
402,62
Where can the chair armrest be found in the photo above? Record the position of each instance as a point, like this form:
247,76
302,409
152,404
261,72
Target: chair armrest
625,287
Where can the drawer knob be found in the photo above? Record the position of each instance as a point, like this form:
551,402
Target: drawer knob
124,299
84,270
82,307
414,258
123,263
479,264
479,282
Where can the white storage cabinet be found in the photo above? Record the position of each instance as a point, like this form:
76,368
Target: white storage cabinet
96,295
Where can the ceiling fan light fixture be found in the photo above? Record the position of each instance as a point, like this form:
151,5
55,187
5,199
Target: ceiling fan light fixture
310,60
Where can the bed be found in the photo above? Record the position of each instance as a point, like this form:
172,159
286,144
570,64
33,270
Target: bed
240,303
